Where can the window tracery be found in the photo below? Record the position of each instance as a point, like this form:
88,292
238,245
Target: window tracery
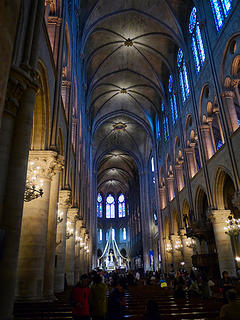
99,206
220,9
173,102
165,124
121,206
183,76
197,43
110,207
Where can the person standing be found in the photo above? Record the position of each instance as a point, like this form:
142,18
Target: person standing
80,299
116,302
225,285
98,300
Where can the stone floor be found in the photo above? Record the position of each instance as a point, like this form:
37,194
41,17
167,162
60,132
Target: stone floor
136,300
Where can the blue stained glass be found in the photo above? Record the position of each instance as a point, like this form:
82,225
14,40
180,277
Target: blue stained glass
170,84
193,20
120,214
220,144
167,128
157,128
99,206
163,107
227,5
172,109
110,207
200,44
182,86
123,210
186,84
180,57
217,11
124,234
108,211
195,54
112,211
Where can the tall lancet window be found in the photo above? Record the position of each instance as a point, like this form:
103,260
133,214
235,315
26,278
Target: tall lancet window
157,128
121,206
165,123
110,207
220,9
183,76
197,43
99,206
173,102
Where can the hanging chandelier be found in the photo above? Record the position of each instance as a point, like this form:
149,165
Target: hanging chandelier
32,192
178,245
169,248
232,227
69,231
34,184
59,217
191,243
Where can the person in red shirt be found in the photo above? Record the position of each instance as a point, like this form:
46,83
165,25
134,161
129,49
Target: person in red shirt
80,300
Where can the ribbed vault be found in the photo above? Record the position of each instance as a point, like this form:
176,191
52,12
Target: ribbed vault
128,52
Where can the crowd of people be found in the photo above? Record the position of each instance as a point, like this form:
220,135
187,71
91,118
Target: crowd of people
89,297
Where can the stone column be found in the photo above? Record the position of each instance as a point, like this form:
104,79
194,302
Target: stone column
65,201
70,245
170,184
223,241
187,252
207,141
228,97
169,255
51,234
192,164
9,12
33,241
162,195
77,251
177,253
82,235
179,176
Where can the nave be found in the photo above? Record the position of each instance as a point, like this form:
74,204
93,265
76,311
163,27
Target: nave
136,302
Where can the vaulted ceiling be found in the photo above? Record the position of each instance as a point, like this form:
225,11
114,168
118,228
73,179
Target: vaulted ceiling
129,50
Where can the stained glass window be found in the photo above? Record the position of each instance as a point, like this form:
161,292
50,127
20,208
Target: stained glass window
157,128
113,234
221,9
165,124
124,234
107,235
173,102
121,206
197,43
152,164
183,76
110,207
99,206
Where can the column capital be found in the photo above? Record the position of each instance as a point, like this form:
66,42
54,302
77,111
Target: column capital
72,214
228,94
79,223
218,216
65,198
44,163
